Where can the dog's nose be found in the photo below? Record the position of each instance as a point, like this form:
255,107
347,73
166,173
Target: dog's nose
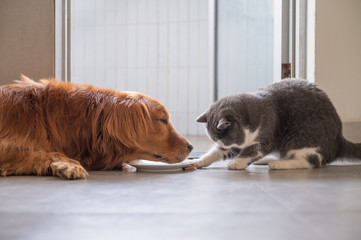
190,147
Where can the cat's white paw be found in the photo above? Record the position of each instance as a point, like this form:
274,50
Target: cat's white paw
267,159
263,161
236,165
200,164
194,166
290,164
276,164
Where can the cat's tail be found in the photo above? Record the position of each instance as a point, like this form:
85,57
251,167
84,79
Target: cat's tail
349,150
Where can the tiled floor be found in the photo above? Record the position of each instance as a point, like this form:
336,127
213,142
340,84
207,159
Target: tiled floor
212,203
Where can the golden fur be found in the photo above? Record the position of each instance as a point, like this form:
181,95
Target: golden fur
57,128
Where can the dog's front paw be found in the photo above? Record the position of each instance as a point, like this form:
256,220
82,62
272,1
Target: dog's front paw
3,170
128,168
68,170
236,165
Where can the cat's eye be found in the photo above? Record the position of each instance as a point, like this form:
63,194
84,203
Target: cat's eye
164,120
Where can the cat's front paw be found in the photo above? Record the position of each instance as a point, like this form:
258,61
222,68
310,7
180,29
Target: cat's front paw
191,167
197,165
235,165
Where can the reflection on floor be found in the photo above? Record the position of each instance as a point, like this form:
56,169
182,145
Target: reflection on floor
212,203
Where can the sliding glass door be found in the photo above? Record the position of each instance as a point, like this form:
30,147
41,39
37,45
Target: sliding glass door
244,42
186,53
157,47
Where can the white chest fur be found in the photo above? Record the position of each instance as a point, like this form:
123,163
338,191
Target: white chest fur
249,140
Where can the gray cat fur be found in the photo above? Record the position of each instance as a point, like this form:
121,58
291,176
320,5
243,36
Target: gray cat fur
292,114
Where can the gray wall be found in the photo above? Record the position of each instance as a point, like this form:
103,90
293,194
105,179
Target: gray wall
26,39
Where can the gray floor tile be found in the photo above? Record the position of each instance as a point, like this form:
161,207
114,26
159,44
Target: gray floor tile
212,203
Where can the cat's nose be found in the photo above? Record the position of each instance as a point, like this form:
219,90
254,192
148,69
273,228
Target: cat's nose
190,147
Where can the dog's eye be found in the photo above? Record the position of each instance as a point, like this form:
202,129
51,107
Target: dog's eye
164,120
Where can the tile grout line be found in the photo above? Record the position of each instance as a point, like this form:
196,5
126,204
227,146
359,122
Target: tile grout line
292,213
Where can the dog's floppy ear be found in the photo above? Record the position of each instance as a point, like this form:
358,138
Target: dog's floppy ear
223,124
128,120
202,118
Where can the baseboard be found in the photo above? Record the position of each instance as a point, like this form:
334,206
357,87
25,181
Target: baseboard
352,131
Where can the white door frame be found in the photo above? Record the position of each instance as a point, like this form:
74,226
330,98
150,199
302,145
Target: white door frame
62,40
294,38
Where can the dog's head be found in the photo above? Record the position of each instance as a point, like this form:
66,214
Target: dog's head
142,124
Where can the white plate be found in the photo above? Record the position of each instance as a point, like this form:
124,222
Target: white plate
150,166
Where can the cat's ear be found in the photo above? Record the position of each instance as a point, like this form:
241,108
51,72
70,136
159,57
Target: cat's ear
223,124
202,118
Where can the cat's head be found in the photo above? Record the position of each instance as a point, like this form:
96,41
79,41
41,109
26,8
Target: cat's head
223,123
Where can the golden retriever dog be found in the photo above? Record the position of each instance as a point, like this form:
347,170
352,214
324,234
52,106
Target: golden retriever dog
63,129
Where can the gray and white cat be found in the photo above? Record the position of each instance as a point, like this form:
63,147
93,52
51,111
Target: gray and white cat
292,117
